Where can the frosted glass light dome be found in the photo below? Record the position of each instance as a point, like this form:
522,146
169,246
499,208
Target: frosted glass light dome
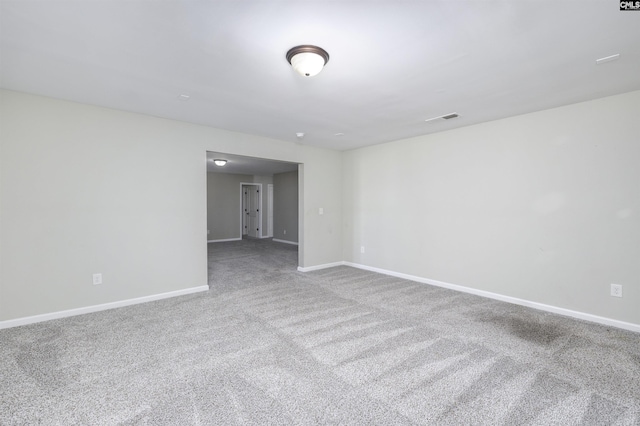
307,60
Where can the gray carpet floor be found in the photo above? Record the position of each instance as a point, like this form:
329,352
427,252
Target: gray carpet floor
268,345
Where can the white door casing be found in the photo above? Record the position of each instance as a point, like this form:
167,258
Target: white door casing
270,210
252,211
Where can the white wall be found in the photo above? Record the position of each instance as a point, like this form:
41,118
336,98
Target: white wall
224,205
87,189
319,185
544,207
285,206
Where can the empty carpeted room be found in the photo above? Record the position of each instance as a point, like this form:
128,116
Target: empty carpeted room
453,235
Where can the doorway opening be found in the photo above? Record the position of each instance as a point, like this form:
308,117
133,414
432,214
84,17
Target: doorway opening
256,199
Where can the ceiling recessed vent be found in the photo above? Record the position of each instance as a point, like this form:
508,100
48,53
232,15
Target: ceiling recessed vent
443,117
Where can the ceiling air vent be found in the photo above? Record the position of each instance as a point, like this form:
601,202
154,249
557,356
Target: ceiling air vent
443,117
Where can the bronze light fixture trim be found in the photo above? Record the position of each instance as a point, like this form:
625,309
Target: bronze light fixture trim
307,60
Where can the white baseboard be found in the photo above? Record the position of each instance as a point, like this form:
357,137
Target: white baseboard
96,308
318,267
224,240
535,305
285,241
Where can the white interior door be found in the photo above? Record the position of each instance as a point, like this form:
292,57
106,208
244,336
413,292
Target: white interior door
245,211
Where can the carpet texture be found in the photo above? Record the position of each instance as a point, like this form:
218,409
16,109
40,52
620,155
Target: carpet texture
268,345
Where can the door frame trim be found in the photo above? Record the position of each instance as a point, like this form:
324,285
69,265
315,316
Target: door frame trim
269,210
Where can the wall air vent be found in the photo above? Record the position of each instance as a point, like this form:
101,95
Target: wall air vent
443,117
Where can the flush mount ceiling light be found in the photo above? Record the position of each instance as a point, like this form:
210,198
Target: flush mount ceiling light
219,162
443,117
607,59
307,60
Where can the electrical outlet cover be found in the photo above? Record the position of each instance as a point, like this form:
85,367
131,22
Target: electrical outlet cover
616,290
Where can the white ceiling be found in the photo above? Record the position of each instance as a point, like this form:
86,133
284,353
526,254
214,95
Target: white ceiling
393,63
241,165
